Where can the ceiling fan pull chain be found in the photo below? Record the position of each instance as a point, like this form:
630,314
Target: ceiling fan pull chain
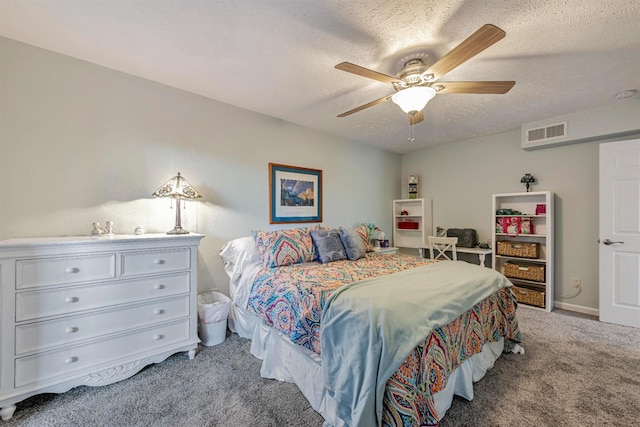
411,137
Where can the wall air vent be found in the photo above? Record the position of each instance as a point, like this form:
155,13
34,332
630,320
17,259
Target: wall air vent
536,134
599,124
546,133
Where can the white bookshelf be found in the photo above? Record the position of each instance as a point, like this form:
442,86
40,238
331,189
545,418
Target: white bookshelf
542,234
418,211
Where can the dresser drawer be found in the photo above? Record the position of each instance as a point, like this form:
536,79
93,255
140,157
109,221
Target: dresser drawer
66,362
39,304
149,262
43,335
64,270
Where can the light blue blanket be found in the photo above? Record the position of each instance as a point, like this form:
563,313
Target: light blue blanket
370,327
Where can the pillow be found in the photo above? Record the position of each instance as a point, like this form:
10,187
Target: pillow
364,234
328,245
237,255
353,244
284,247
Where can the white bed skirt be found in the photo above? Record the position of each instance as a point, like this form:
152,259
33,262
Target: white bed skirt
285,361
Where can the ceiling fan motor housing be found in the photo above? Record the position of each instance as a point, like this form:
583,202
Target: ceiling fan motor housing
411,74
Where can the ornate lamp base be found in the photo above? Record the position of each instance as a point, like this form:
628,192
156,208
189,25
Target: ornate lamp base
178,230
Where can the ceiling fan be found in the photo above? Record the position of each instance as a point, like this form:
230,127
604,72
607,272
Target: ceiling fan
417,83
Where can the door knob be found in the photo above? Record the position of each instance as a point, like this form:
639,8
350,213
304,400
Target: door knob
609,242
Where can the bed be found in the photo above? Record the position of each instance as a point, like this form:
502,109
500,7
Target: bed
329,326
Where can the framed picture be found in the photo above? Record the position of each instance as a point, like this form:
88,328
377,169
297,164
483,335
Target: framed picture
295,194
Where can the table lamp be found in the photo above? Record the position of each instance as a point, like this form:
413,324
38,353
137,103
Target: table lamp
179,189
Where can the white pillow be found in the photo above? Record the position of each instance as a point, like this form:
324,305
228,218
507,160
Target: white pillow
237,255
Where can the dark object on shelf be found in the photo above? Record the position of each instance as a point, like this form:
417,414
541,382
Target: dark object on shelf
527,180
518,249
483,246
508,212
467,237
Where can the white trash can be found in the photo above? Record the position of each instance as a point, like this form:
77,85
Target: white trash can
213,310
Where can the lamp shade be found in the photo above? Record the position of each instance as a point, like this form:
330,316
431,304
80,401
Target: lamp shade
177,188
413,99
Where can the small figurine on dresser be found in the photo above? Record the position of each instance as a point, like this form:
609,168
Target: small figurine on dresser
106,231
96,229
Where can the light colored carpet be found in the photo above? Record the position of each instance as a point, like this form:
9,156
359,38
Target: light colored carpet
576,372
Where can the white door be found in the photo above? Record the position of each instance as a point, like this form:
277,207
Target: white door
620,232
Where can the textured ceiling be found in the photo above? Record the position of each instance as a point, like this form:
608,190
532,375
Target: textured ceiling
277,57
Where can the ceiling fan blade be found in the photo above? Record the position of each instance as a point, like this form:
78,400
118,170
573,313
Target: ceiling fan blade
365,72
486,36
370,104
497,87
416,118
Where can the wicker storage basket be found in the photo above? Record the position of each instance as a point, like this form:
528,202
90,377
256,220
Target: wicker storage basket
529,296
518,249
526,272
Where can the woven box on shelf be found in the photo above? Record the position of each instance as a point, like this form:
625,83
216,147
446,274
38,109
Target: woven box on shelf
518,249
529,296
526,272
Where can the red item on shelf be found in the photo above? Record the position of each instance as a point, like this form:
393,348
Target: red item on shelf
514,225
408,225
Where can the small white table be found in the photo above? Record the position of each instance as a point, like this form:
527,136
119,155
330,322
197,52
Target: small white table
482,253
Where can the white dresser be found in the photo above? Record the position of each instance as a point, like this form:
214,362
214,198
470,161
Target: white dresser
92,310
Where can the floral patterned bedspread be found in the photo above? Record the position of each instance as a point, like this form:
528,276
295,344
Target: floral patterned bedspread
408,398
290,299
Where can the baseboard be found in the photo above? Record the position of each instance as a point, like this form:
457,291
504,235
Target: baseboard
577,308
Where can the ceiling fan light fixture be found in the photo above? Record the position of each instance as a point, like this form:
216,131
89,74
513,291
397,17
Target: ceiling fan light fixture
413,99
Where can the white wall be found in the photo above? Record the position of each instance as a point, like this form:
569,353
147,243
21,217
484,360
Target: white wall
81,143
461,178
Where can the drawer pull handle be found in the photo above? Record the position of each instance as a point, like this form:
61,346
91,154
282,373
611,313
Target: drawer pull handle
71,330
158,311
158,337
70,360
159,261
159,286
72,270
72,299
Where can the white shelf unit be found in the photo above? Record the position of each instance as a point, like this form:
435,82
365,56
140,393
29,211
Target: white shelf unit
419,210
542,234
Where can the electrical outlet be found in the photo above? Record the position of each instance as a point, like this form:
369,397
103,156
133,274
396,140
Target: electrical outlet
576,282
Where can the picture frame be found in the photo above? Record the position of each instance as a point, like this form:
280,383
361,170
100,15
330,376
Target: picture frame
295,194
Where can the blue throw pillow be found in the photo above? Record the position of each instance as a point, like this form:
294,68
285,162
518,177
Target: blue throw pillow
328,245
353,244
